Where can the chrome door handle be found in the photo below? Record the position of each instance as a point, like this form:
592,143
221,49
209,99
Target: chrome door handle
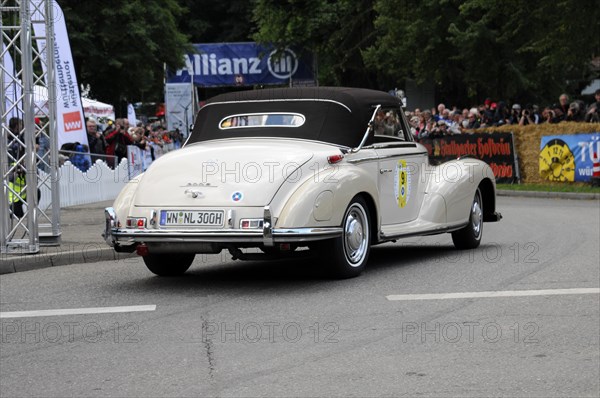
381,171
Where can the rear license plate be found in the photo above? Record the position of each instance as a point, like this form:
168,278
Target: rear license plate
198,218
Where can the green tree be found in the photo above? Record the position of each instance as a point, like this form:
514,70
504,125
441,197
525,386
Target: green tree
119,47
210,21
336,32
520,50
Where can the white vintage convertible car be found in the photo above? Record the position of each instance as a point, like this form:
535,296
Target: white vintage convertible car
334,170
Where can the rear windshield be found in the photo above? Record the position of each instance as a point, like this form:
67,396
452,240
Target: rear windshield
272,119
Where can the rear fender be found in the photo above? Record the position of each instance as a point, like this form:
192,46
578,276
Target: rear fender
124,201
322,199
456,181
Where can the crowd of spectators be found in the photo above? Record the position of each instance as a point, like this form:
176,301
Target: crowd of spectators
110,143
443,121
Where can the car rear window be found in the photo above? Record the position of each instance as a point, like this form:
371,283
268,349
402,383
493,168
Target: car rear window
271,119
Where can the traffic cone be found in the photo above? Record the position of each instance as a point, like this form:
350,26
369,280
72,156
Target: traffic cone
596,171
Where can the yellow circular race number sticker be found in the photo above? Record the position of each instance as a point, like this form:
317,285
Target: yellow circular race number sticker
402,183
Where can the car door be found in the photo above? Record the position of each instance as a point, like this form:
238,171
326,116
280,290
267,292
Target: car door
401,163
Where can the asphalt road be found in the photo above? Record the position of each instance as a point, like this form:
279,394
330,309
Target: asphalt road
248,329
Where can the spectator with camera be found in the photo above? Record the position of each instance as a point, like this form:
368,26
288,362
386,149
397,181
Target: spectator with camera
593,111
515,114
528,116
575,113
117,139
549,115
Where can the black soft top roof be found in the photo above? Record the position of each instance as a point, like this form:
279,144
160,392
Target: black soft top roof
335,115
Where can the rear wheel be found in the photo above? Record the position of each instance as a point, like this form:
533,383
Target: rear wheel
169,264
469,237
350,252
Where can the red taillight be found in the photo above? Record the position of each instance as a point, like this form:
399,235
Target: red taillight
245,224
133,222
335,158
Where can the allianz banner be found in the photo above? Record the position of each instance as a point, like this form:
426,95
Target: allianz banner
243,64
496,149
569,157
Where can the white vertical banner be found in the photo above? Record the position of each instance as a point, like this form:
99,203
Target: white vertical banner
179,107
70,120
12,91
131,115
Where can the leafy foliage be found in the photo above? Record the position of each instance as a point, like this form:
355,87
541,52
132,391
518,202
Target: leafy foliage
119,47
527,50
519,50
335,31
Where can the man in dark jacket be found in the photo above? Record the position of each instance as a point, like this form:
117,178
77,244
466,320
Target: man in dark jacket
96,140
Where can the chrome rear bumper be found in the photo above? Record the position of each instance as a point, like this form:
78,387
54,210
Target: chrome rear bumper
267,236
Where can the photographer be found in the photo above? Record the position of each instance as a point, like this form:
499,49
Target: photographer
575,113
515,114
528,116
117,138
593,113
549,115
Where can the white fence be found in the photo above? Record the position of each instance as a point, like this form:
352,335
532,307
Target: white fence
97,184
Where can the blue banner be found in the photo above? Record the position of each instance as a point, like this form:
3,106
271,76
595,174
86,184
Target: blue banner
569,157
243,64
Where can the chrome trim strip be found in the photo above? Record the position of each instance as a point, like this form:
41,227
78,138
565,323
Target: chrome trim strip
230,220
401,155
130,236
381,145
435,231
110,225
385,157
267,228
360,160
280,100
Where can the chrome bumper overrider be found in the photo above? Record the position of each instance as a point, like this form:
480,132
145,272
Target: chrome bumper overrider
268,236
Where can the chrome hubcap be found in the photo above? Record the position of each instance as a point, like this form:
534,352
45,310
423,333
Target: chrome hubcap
476,216
356,235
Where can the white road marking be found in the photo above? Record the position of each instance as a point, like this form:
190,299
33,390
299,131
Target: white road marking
507,293
77,311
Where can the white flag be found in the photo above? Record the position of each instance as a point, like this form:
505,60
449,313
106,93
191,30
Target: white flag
69,117
131,115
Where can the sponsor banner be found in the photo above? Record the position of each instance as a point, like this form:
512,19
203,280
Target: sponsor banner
69,112
178,107
569,157
496,149
97,109
243,64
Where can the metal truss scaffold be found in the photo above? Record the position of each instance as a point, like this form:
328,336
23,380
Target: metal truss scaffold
28,132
